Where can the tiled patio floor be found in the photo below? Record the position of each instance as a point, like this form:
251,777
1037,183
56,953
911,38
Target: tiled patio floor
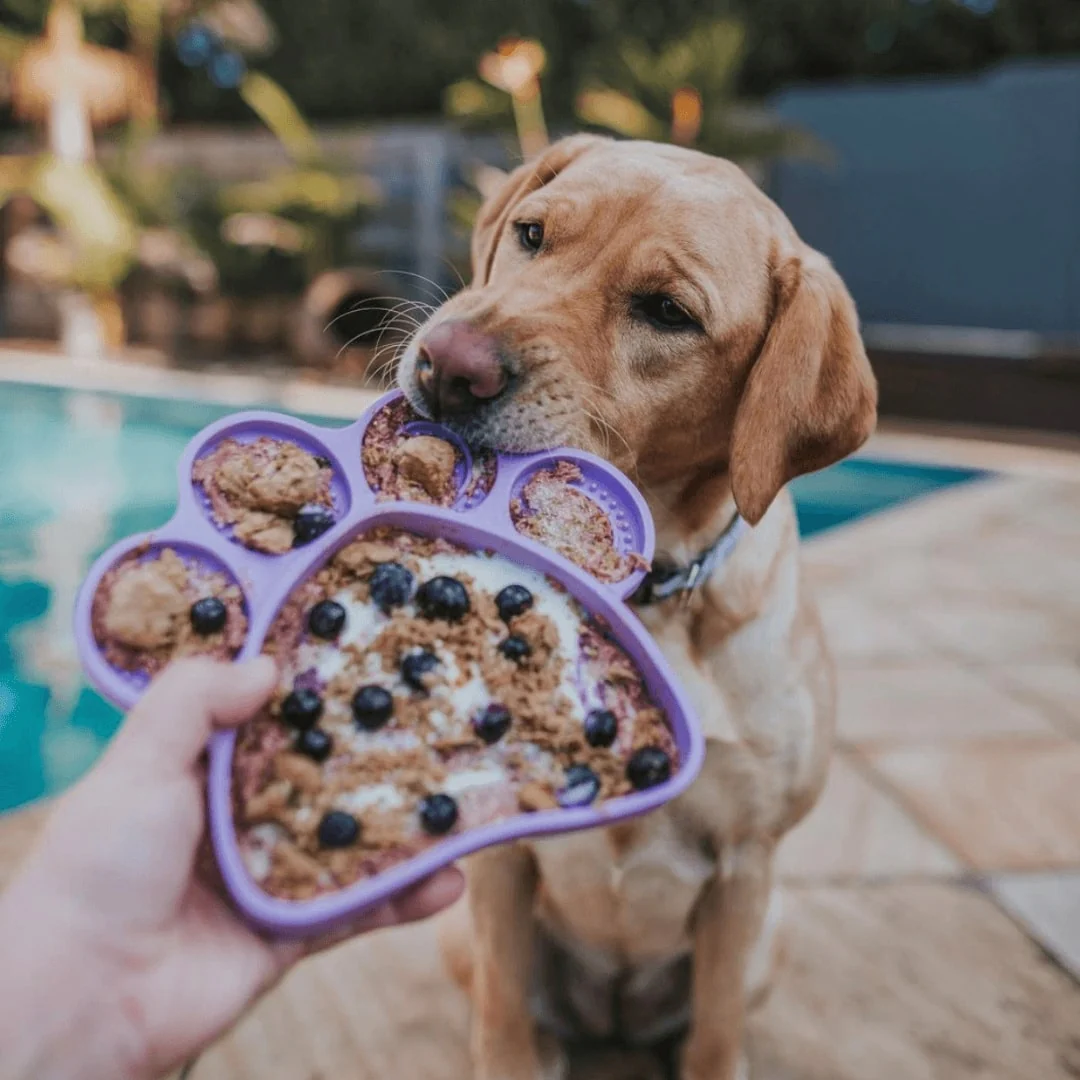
934,894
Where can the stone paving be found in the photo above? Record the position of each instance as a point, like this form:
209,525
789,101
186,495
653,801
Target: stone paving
934,893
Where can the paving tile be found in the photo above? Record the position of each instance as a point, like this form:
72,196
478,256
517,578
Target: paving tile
999,804
1048,905
985,630
856,831
1015,566
1055,688
913,982
954,514
861,631
889,982
894,583
927,701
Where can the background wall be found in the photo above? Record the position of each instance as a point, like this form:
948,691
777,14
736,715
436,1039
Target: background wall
950,202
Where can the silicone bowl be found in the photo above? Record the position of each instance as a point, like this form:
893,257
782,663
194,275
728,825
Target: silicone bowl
479,519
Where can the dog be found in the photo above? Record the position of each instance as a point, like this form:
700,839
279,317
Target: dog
651,304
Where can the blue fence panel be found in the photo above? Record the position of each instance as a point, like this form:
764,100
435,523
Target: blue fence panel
949,202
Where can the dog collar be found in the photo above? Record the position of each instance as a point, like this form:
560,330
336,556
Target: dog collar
665,580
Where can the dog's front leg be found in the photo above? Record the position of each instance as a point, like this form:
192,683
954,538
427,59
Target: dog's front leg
727,925
502,883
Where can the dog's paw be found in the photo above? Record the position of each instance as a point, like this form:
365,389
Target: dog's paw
499,1060
741,1071
553,1061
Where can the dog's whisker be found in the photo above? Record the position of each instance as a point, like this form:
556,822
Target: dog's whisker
395,348
382,328
456,272
399,314
440,293
382,373
373,301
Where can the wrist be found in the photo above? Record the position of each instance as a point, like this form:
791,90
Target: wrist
61,1017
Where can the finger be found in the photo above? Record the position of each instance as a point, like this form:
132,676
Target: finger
168,729
421,902
429,897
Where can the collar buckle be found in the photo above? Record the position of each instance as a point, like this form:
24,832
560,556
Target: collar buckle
663,581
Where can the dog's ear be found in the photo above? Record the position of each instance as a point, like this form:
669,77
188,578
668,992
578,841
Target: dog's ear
811,397
531,176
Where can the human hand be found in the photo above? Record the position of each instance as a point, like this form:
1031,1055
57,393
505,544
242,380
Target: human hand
122,962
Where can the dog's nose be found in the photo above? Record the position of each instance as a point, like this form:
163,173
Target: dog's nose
458,368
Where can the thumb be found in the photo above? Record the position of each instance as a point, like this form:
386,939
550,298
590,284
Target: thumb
168,729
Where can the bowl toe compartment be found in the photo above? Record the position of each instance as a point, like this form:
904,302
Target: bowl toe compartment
578,507
408,458
161,601
269,486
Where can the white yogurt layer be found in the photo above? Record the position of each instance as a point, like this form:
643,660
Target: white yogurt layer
459,694
486,775
383,796
258,844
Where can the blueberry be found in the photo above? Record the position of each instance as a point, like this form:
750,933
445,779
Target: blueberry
372,706
315,743
323,462
391,585
302,709
326,619
415,666
226,69
648,767
208,616
438,814
492,724
195,45
515,648
443,598
338,829
581,787
513,600
601,727
311,523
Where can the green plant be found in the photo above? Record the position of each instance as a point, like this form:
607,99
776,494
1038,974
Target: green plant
277,233
686,91
98,236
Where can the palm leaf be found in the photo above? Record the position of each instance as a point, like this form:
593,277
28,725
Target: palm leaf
618,112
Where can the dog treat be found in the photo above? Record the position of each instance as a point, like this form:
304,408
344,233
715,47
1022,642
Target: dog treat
427,463
150,610
427,690
549,509
401,463
271,492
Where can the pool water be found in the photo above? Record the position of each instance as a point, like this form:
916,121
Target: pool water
81,470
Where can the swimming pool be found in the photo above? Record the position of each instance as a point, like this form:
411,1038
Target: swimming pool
80,470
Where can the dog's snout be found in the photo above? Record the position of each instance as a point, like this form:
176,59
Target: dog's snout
458,368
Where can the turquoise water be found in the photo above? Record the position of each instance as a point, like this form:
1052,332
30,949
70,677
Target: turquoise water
79,471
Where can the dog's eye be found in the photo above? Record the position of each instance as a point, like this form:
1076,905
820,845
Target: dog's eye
530,234
664,312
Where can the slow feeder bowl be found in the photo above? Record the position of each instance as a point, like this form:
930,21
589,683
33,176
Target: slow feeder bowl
477,515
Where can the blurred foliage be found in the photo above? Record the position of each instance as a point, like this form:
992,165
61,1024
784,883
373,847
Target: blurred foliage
99,233
340,59
795,40
272,235
686,89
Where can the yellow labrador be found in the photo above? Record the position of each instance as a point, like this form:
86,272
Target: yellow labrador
651,304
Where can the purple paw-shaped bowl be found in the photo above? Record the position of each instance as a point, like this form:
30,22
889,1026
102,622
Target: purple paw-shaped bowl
478,514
